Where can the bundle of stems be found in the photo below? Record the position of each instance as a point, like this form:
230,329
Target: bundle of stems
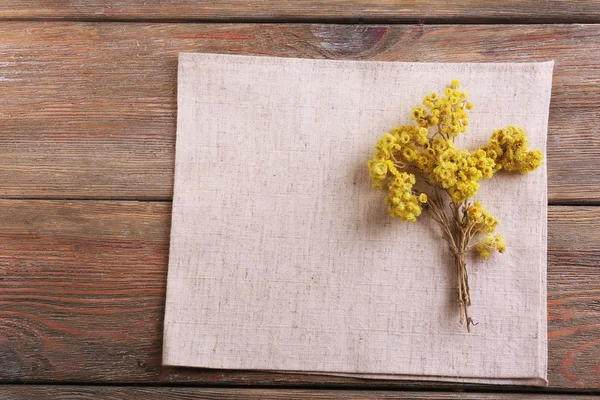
458,231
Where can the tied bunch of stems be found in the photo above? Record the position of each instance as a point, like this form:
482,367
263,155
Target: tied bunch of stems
425,151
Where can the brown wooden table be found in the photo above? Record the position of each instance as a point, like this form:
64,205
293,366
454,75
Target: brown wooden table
87,136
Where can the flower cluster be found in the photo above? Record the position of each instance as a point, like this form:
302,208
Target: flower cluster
508,148
481,219
489,244
395,151
448,112
458,171
402,203
427,149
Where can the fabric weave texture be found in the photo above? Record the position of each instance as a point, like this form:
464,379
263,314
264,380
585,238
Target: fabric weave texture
284,258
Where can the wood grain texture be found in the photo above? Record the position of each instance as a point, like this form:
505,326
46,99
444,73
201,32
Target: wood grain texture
41,392
87,110
301,10
82,291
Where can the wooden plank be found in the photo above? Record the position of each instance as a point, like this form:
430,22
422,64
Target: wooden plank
82,291
301,10
574,296
88,110
59,392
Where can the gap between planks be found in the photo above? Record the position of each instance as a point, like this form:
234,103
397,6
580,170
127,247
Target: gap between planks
332,11
421,20
163,392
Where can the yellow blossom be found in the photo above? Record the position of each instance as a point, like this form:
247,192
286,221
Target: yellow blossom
378,170
509,149
428,147
404,138
401,202
500,245
490,244
426,150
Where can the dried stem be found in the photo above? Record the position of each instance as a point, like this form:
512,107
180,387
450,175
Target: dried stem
458,233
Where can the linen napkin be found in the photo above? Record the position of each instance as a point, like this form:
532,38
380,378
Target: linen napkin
284,258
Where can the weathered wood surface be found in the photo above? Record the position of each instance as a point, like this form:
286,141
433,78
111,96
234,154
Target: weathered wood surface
299,10
82,291
87,110
27,392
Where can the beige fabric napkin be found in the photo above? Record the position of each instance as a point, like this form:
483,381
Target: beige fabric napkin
284,258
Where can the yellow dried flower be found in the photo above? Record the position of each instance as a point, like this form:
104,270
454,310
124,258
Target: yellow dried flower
426,149
490,244
500,245
509,147
483,250
404,138
401,202
378,170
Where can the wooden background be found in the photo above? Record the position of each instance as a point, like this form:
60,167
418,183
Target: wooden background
87,135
